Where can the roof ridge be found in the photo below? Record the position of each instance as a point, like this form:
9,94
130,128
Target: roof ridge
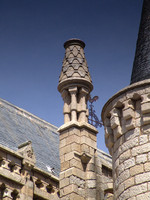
101,151
26,113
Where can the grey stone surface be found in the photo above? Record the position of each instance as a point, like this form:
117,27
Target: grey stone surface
104,158
18,126
141,66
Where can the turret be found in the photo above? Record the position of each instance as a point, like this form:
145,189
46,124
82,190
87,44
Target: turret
126,117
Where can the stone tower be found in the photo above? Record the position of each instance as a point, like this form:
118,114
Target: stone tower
79,175
126,118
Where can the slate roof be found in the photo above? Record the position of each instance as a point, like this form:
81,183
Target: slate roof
18,126
141,66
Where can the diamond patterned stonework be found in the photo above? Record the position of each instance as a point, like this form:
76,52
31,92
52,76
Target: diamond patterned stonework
75,68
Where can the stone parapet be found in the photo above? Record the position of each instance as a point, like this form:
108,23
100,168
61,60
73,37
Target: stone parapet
20,179
126,117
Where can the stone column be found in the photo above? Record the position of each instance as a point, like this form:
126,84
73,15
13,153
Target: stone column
66,98
126,118
82,105
73,104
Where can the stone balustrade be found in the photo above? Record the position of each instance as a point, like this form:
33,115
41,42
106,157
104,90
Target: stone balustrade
7,193
20,179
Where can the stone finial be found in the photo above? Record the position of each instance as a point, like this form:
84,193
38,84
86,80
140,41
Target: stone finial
26,151
75,82
74,70
141,66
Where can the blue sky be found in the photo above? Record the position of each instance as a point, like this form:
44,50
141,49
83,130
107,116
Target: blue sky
32,33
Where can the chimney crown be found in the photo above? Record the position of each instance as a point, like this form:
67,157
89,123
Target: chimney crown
75,70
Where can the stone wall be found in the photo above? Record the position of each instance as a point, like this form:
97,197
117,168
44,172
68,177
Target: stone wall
21,180
80,167
106,175
126,118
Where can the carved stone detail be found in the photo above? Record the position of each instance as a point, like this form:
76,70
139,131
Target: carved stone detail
75,82
74,63
126,118
26,151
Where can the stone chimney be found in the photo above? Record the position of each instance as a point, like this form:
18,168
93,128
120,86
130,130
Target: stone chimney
126,117
78,177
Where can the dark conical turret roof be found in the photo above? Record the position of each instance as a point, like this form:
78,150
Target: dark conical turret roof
141,65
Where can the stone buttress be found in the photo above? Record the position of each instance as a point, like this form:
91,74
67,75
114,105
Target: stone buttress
126,117
79,175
